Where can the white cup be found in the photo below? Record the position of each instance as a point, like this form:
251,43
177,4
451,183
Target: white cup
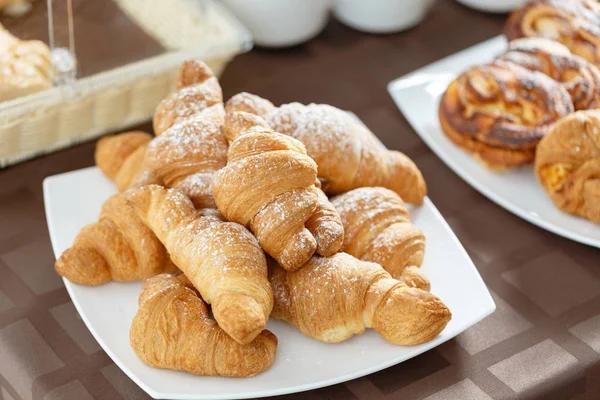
493,6
381,16
281,23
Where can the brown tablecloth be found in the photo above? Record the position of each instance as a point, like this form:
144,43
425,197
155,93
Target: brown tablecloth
543,342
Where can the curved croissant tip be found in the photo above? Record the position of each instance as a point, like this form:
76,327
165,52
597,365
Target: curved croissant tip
249,103
410,316
192,72
83,266
240,316
238,123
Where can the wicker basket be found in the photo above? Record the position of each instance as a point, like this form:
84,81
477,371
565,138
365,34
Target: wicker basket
109,101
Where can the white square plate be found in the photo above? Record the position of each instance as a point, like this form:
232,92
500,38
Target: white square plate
74,199
418,95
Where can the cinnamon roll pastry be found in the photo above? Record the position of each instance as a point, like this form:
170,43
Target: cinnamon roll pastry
574,23
499,112
580,77
567,164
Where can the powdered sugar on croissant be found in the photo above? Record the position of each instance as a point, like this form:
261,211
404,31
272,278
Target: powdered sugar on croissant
198,89
347,153
268,185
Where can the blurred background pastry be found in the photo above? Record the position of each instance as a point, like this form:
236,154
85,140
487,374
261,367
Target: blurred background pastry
574,23
499,112
567,164
580,77
25,66
15,8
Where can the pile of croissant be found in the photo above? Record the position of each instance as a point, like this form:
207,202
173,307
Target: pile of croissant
539,102
226,207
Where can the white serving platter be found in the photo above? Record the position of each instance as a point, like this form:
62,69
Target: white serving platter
74,199
418,95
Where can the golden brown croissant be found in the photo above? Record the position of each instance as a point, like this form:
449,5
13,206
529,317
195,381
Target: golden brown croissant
172,329
120,157
574,23
567,164
347,153
378,229
268,185
222,259
580,77
25,66
118,247
499,112
186,157
334,298
198,89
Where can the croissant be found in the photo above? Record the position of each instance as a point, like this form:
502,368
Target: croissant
567,164
268,185
378,229
580,77
172,329
120,158
186,157
118,247
348,155
198,89
499,112
222,259
574,23
334,298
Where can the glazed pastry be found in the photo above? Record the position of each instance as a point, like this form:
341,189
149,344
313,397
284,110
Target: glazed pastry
118,247
574,23
186,157
222,259
580,77
173,329
499,112
197,89
25,66
120,158
378,229
334,298
268,185
567,164
349,156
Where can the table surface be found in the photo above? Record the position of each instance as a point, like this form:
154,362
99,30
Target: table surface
543,342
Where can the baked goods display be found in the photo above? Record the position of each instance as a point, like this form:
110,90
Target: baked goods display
184,156
120,158
172,329
119,247
198,89
567,164
377,228
574,23
348,155
334,298
580,77
268,185
222,259
501,112
25,66
212,193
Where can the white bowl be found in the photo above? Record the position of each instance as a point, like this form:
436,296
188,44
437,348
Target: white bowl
493,6
381,16
281,23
